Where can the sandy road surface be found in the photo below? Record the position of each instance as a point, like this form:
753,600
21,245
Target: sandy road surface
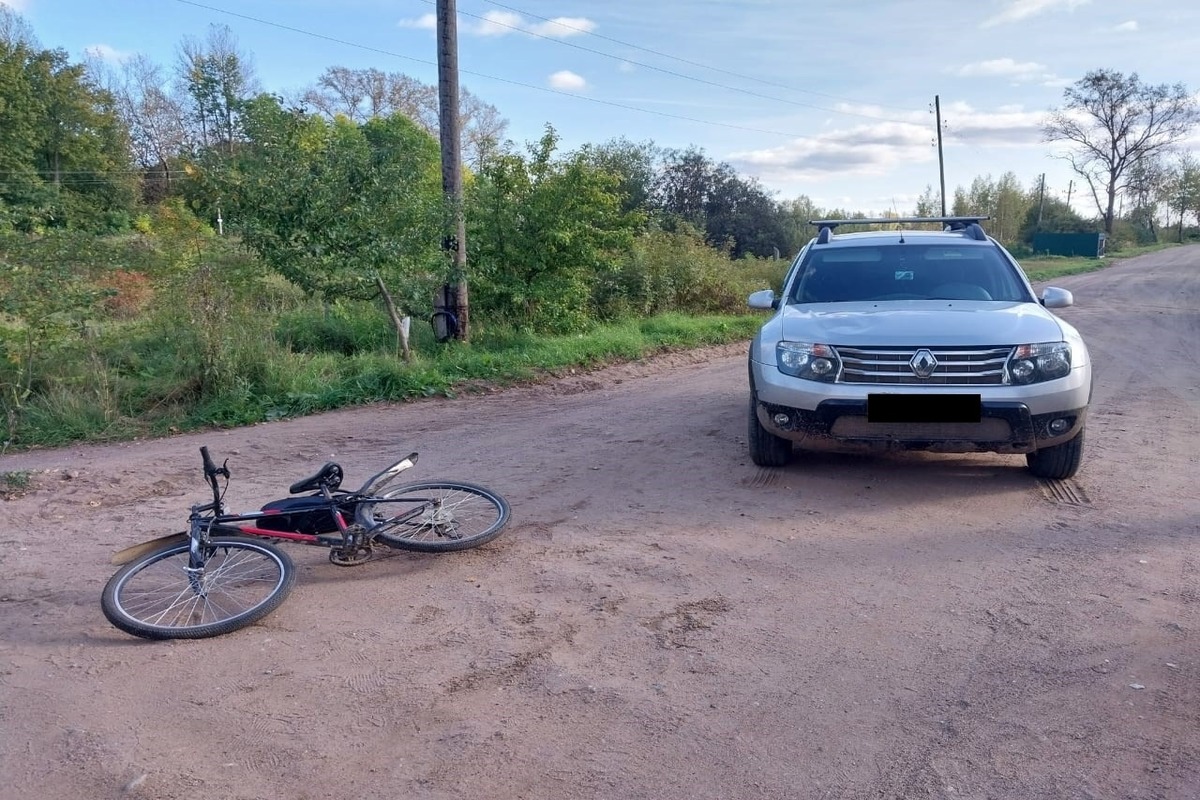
662,619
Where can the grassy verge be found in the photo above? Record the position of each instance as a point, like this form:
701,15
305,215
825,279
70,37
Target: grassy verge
280,383
1044,268
143,379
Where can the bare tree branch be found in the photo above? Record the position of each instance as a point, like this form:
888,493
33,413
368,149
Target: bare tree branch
1115,123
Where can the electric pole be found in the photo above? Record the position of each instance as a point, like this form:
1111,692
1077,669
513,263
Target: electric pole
937,105
448,126
1041,203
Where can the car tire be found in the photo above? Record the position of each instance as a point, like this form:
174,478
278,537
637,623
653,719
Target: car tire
1058,462
766,449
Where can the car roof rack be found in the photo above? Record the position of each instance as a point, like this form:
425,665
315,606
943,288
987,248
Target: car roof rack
968,224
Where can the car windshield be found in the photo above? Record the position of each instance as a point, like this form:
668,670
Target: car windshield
907,272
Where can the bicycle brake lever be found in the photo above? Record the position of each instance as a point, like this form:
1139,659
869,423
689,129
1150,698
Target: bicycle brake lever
224,469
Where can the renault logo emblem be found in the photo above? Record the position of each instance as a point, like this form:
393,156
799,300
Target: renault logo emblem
923,364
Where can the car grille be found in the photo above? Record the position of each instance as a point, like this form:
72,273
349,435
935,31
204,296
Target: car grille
956,366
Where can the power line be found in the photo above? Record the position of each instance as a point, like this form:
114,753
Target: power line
680,59
369,48
674,74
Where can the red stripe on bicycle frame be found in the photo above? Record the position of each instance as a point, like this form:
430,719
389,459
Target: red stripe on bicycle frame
298,537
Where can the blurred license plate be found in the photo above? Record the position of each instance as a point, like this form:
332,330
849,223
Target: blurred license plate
923,408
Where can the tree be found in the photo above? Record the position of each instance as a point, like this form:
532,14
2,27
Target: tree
683,185
633,164
1181,190
546,230
1051,216
929,204
63,149
14,30
334,205
1003,202
364,94
1144,185
735,214
156,121
218,78
796,215
482,129
741,216
1111,122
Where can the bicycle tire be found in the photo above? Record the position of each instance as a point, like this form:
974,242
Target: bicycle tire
469,515
451,322
152,596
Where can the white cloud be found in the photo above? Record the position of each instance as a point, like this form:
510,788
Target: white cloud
1019,10
1127,27
881,148
501,23
106,53
426,22
1020,72
862,150
563,27
1006,127
568,81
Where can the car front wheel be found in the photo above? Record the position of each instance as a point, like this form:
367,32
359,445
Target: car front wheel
766,449
1060,461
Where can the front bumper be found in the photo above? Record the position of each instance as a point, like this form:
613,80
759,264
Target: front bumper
1004,427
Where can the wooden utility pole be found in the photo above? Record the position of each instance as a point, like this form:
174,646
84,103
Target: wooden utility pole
937,105
448,126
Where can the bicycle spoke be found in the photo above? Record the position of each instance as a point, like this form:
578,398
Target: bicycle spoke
160,597
435,516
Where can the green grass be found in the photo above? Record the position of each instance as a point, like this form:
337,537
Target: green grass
1044,268
162,374
274,382
14,484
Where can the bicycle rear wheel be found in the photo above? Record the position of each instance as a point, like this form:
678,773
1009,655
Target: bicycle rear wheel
155,597
435,516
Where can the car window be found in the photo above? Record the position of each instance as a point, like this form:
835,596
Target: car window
907,272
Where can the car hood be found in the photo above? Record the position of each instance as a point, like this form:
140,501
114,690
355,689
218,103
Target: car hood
919,323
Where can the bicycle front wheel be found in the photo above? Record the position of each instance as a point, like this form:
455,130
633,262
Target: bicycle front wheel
435,516
157,597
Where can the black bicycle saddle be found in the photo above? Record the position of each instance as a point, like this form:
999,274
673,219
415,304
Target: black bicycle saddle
330,475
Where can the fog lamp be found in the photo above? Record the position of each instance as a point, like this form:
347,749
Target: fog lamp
782,420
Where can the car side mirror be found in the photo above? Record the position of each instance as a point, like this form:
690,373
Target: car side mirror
764,299
1053,297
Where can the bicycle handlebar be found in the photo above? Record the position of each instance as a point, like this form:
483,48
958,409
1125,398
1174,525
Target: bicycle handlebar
209,467
211,471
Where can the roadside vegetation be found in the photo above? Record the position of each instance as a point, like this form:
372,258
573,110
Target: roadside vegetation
178,250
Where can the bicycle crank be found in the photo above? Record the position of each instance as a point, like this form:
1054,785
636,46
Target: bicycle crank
351,556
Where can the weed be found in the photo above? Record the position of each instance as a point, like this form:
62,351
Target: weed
15,483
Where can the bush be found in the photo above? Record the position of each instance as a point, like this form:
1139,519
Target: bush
676,271
346,328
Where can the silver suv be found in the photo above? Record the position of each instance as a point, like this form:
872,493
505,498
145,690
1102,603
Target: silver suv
916,340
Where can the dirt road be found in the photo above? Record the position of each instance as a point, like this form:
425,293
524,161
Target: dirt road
662,619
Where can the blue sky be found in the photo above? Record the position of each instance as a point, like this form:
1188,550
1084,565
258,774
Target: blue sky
830,100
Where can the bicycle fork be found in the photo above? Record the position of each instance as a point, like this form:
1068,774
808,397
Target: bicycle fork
195,570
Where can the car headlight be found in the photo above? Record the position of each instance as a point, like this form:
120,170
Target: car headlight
814,362
1034,363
